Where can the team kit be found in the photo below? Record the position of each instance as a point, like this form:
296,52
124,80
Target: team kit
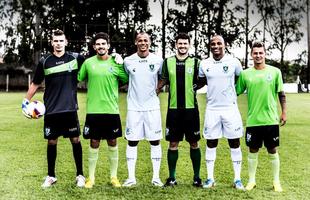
146,74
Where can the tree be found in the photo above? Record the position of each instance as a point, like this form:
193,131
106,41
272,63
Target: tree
283,27
121,19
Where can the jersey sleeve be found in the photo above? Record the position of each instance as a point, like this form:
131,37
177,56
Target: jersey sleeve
80,59
39,73
82,75
238,68
200,72
164,74
160,66
122,74
240,86
279,82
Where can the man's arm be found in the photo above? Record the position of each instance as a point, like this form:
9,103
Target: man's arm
202,81
282,99
161,84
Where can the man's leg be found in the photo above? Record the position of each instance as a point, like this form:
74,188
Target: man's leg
252,166
195,155
210,161
113,159
172,157
131,156
51,160
236,157
93,153
275,166
156,155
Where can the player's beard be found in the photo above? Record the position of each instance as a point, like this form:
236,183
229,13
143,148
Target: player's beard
182,52
101,53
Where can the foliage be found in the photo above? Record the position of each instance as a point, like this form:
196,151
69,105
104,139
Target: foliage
23,160
202,19
79,19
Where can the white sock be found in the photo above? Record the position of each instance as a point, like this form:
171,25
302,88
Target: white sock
210,160
131,156
156,155
236,157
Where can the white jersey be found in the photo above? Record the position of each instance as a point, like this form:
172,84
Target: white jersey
221,93
143,79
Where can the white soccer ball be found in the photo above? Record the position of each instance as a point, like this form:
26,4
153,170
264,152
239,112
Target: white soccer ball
36,109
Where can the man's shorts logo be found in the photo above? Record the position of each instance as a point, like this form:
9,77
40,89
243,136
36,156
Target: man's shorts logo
248,137
86,130
128,131
47,131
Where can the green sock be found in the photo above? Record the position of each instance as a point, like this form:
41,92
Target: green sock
92,161
275,166
252,165
113,158
172,161
196,160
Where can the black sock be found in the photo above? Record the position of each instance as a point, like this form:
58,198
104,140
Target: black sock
78,157
51,159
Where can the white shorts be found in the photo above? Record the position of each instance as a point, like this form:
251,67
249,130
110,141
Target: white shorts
143,125
223,123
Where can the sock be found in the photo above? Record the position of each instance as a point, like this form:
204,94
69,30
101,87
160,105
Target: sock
78,157
275,166
252,165
195,155
172,157
92,161
210,160
113,158
51,159
131,156
156,155
236,157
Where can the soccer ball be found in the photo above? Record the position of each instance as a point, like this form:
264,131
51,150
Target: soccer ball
36,109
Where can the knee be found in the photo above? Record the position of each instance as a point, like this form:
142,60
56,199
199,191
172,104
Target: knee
112,143
52,142
75,140
212,143
173,145
234,143
154,143
94,143
194,145
272,150
133,143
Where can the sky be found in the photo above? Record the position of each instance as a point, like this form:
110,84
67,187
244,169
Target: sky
290,54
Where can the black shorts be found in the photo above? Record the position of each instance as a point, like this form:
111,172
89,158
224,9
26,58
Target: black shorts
257,135
182,122
102,126
61,124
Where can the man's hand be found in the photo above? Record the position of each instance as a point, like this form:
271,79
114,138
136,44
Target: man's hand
283,119
118,58
25,110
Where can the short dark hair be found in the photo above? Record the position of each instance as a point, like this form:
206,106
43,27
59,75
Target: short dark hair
101,35
184,36
258,44
57,32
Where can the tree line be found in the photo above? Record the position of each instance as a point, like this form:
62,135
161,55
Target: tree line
27,25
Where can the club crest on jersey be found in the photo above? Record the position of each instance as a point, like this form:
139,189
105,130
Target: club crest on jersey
225,68
269,78
152,67
190,70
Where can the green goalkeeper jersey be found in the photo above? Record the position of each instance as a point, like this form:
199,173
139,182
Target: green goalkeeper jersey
102,77
262,87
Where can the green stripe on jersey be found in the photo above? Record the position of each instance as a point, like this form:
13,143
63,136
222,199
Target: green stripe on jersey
69,66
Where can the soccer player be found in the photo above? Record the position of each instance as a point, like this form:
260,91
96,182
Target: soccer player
102,120
181,73
143,115
264,85
222,116
59,69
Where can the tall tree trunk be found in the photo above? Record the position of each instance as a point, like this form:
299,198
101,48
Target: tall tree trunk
246,32
308,32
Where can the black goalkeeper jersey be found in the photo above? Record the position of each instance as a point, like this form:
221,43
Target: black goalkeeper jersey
60,74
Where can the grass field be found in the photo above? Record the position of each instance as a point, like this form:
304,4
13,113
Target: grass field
23,160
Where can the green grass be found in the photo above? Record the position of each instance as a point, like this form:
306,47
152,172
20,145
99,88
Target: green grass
23,160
